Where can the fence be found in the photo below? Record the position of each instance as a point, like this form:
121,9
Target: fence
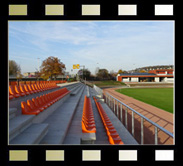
111,101
34,82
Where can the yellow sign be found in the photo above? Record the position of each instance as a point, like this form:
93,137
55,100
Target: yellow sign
76,66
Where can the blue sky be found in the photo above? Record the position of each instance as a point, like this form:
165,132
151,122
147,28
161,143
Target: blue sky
112,45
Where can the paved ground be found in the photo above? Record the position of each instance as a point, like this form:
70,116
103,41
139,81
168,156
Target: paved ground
74,132
161,117
101,137
60,120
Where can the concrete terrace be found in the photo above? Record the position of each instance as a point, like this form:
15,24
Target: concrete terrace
61,122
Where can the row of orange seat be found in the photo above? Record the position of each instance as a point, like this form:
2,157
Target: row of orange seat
26,89
112,134
88,122
40,103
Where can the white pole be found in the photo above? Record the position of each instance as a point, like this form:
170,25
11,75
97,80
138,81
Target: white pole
38,64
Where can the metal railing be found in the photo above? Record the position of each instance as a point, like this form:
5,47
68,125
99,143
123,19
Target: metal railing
98,90
111,101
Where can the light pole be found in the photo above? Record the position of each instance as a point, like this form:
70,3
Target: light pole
83,70
38,63
38,69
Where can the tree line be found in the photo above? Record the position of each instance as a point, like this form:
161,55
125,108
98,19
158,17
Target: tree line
49,69
52,67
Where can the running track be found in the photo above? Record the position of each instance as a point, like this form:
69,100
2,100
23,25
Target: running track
159,116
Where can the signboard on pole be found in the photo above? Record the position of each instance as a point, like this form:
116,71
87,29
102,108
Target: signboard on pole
76,66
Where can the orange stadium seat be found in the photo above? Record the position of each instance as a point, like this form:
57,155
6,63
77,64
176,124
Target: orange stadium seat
13,92
88,123
36,88
39,87
10,96
111,132
27,110
45,97
44,101
17,90
47,86
49,99
33,88
22,89
31,104
30,88
27,89
41,103
37,105
42,87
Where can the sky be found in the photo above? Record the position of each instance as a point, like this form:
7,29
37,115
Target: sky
112,45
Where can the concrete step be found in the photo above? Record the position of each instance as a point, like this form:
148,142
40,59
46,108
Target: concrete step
18,124
70,86
12,112
76,91
75,86
32,135
74,133
101,135
50,110
87,91
124,134
67,85
60,120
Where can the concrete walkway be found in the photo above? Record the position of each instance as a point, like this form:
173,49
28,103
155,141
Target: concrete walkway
101,136
60,120
67,84
124,134
75,132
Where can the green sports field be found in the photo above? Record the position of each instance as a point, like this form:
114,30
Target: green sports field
158,97
108,83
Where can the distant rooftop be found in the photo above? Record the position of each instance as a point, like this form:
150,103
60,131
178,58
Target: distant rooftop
125,74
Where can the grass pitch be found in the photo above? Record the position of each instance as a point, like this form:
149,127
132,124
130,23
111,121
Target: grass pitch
108,83
158,97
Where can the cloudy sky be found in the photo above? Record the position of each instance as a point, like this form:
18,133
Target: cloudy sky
112,45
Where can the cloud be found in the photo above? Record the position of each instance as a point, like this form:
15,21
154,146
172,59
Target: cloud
114,44
142,46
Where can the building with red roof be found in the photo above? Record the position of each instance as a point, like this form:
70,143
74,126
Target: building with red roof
158,75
